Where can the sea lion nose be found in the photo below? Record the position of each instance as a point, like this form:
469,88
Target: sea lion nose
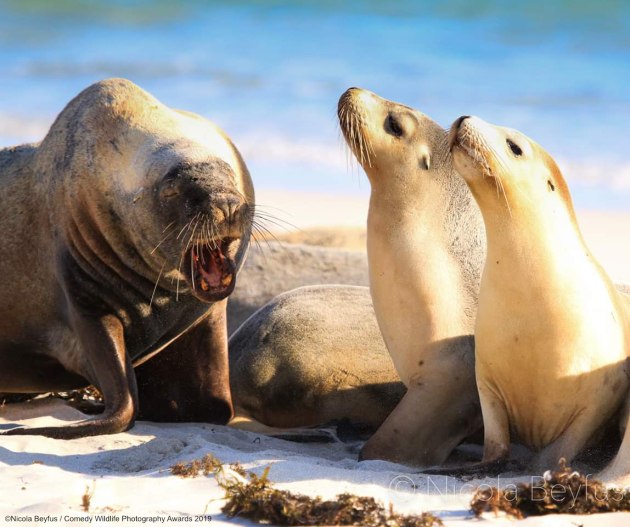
228,209
190,194
459,121
196,185
347,96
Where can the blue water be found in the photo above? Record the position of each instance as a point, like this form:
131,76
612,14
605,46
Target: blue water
270,74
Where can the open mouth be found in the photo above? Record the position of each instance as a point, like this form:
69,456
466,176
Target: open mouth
209,269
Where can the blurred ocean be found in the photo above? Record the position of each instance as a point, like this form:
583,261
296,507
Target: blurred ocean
270,73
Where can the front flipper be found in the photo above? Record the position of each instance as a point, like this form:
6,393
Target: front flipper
110,369
496,441
432,418
189,380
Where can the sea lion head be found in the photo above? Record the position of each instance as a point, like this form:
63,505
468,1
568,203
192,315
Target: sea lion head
395,144
505,169
166,189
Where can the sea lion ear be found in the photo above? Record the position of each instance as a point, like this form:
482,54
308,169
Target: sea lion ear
425,158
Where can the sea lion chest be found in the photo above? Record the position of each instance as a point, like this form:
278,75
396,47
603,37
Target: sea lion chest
151,316
550,344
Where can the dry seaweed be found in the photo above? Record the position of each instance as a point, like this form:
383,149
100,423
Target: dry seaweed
86,499
557,492
88,399
237,467
208,465
257,500
88,394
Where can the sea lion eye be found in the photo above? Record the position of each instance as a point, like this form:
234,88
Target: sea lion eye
392,125
516,150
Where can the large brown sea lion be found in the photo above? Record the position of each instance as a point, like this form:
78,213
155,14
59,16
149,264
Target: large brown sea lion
121,235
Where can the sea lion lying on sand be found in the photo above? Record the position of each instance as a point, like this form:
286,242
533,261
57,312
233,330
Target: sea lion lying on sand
273,268
312,356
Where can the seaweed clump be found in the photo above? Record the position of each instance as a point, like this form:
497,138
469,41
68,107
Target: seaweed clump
86,499
255,498
208,465
558,492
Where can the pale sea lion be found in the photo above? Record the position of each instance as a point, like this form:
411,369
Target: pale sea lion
311,356
273,268
121,232
552,332
425,246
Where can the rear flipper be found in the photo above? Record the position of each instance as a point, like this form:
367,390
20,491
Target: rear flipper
482,468
298,435
496,445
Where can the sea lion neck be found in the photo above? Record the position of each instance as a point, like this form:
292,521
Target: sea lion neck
400,198
91,229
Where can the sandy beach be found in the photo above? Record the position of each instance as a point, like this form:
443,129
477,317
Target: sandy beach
128,475
129,480
270,74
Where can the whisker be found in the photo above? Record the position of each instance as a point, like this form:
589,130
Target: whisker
162,241
192,267
262,236
257,242
279,222
179,272
183,252
156,285
186,226
264,233
476,145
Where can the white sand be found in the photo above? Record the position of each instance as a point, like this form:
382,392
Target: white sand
129,473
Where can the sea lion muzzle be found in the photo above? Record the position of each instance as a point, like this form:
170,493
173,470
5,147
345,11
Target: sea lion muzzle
201,197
